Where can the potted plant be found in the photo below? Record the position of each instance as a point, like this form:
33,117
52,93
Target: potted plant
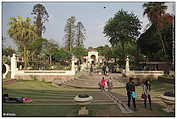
169,99
83,100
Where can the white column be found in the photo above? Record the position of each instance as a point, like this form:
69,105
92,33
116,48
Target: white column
13,66
127,69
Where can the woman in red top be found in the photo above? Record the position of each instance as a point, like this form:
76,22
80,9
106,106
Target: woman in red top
103,83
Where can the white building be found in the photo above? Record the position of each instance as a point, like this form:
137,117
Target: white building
93,58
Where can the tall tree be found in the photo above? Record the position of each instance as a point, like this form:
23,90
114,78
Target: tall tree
22,31
149,42
41,16
80,34
70,33
122,28
155,11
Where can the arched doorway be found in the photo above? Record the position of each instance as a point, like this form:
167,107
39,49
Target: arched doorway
93,57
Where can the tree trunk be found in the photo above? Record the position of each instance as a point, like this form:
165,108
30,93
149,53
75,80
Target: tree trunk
50,59
163,45
25,57
123,49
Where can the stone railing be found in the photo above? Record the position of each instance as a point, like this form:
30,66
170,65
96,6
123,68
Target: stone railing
147,72
40,74
45,72
144,74
140,74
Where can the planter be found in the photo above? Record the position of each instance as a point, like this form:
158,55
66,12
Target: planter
83,100
169,102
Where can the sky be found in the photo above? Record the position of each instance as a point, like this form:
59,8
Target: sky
93,16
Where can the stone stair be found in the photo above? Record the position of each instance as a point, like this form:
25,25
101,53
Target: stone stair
90,81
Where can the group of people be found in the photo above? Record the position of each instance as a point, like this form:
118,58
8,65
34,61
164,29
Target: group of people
105,84
131,94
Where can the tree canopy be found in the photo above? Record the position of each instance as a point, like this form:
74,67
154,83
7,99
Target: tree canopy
23,32
157,41
80,35
70,33
41,16
122,28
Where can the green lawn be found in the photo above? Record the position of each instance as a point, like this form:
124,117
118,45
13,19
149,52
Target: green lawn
157,88
52,101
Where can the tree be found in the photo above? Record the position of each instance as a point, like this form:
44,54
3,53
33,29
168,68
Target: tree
149,42
122,28
41,16
80,34
62,55
70,33
48,50
155,12
8,51
79,52
23,32
35,47
104,51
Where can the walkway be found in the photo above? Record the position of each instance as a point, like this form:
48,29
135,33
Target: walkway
90,81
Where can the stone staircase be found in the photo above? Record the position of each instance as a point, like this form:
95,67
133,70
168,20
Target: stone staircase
90,81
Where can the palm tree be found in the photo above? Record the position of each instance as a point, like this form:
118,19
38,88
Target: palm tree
22,31
155,12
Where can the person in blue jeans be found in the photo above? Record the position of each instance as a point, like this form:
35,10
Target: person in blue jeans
130,87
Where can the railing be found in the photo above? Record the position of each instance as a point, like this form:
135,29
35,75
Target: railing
45,72
147,72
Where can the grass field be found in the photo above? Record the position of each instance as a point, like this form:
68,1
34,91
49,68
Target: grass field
157,88
52,101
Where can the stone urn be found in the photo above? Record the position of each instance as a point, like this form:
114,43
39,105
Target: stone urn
83,100
169,99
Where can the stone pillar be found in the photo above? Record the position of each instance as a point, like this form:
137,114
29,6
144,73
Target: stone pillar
13,66
127,69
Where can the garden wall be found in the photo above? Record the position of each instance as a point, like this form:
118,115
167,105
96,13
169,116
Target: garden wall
144,74
46,75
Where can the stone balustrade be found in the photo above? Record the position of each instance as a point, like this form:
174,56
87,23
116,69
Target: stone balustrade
40,74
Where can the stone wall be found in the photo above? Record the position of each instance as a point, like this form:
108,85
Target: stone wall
46,75
45,78
144,74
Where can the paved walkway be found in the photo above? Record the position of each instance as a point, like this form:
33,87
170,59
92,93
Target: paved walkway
90,81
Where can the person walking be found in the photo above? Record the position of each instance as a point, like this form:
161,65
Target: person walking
104,69
91,69
109,83
107,70
103,83
146,93
130,87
